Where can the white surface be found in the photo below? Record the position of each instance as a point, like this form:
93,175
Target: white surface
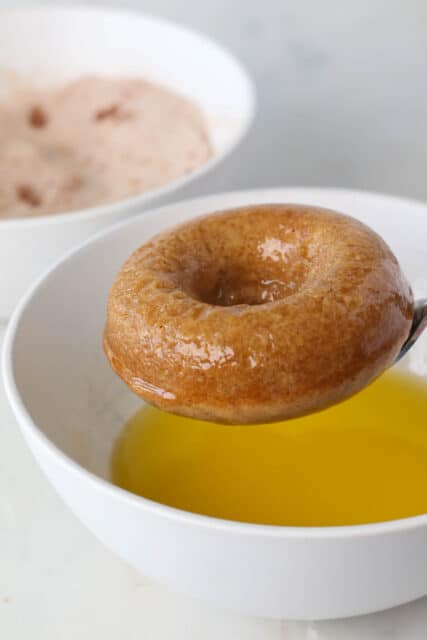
343,102
65,43
71,406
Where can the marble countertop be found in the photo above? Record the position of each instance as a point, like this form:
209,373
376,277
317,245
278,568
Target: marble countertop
343,96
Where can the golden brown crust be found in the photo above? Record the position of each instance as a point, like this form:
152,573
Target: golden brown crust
257,314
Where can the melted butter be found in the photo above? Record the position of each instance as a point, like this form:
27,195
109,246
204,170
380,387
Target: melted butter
362,461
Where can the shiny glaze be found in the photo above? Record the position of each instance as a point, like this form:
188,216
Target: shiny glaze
257,314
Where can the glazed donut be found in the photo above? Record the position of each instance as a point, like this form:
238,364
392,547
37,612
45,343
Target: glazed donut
257,314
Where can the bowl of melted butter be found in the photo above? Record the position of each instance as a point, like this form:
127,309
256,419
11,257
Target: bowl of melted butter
361,461
323,516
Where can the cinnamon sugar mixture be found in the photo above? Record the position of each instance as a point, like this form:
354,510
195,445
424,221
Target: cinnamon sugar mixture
94,141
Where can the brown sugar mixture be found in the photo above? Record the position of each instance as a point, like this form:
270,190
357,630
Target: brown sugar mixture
93,141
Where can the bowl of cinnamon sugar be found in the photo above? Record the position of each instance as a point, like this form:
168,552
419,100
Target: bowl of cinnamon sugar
101,112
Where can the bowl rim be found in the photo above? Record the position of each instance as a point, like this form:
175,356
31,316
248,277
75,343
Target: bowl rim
29,427
144,198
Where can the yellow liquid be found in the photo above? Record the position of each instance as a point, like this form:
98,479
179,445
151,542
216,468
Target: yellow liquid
362,461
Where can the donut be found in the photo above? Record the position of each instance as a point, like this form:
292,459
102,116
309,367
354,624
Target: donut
257,314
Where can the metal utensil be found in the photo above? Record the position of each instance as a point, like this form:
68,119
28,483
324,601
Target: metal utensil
419,323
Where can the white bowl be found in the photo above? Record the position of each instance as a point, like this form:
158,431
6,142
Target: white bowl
60,43
71,406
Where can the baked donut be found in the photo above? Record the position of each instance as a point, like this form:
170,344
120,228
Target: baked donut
257,314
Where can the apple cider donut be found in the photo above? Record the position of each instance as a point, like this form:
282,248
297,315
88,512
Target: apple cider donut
257,314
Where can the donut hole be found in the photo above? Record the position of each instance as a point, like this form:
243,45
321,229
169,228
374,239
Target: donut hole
237,285
249,258
250,282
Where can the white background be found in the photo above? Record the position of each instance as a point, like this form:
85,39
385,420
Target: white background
342,88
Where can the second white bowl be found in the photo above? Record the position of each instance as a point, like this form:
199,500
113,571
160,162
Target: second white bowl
61,43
